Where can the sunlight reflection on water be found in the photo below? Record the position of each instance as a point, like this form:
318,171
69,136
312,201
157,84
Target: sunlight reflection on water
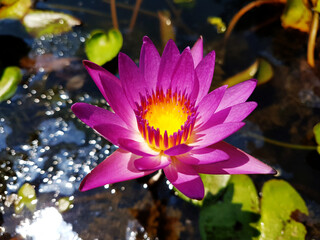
47,224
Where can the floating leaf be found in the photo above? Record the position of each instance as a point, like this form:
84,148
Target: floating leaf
7,2
38,22
64,204
167,31
235,216
279,200
102,47
9,81
316,131
243,76
296,15
265,71
261,70
243,184
317,7
220,25
17,10
27,198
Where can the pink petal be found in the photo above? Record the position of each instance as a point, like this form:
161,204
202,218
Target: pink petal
209,104
195,90
131,79
93,116
113,133
149,63
239,163
237,94
183,74
197,51
99,74
168,63
139,148
151,163
235,113
204,72
185,179
118,167
203,156
214,134
177,150
118,101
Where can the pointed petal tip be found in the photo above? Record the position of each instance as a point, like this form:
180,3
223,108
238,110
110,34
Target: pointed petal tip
74,107
121,55
89,64
83,187
273,171
146,39
252,81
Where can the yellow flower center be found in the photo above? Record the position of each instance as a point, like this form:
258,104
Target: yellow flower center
165,120
167,116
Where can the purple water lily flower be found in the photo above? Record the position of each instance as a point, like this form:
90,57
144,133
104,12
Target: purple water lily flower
164,118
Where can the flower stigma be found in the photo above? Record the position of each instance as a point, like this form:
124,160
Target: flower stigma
165,119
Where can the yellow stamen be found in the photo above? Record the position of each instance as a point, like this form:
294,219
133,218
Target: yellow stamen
165,120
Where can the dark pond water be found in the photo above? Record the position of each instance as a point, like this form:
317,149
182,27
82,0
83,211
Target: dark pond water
44,144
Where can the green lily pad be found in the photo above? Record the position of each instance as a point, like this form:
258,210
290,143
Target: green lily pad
317,7
39,23
265,71
235,216
316,131
102,47
279,200
244,75
27,198
7,2
261,69
64,204
296,15
216,21
15,9
9,81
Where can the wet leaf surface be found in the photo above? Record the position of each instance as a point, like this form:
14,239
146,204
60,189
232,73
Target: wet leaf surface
26,198
265,71
261,69
216,21
15,9
9,81
296,15
102,47
279,201
40,22
316,131
235,215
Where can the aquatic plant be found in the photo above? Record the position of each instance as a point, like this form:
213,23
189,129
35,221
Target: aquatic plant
298,14
164,118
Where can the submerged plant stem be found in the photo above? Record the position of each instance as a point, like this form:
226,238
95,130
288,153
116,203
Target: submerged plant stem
281,144
247,8
135,14
312,38
114,14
